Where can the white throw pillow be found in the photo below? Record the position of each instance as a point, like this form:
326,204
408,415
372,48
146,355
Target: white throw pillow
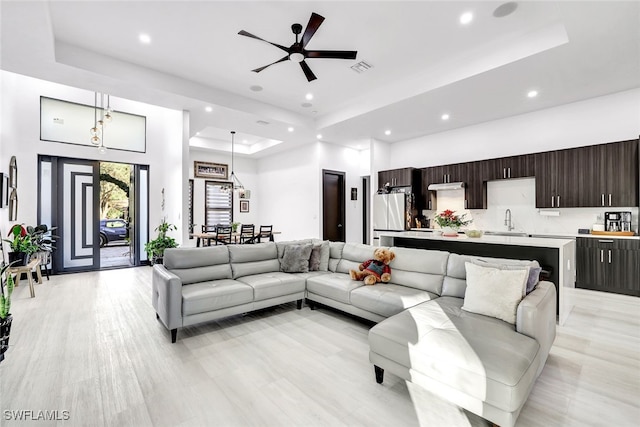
495,292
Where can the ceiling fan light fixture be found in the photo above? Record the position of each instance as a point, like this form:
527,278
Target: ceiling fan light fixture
296,57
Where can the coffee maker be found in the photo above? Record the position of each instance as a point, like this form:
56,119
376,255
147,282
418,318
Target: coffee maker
617,221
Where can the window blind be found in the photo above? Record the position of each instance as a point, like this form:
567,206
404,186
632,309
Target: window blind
218,204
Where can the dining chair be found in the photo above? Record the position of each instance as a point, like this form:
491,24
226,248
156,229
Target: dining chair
265,233
223,235
247,233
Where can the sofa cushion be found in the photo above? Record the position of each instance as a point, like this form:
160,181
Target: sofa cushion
314,258
325,253
419,268
354,254
273,284
495,292
335,254
387,299
214,295
336,286
481,356
296,258
194,265
253,259
534,269
455,284
281,246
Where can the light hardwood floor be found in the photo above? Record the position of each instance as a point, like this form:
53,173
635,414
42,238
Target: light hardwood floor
90,344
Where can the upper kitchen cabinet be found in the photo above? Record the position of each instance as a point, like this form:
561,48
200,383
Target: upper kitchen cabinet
614,181
471,174
510,167
559,178
604,175
403,177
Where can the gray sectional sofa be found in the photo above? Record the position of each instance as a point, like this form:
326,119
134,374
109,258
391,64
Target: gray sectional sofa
423,335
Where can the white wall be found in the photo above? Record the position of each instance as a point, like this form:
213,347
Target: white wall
20,137
245,170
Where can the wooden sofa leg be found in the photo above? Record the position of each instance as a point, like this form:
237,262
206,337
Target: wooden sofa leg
299,304
157,316
311,304
174,335
379,374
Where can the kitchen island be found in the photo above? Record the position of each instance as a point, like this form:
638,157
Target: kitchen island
557,256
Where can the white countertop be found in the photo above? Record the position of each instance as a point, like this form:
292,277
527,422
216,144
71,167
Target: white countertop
550,235
491,239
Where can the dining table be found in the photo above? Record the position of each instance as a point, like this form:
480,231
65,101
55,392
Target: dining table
211,236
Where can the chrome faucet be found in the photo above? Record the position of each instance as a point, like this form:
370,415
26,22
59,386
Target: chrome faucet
507,220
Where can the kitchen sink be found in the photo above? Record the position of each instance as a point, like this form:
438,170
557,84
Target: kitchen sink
506,233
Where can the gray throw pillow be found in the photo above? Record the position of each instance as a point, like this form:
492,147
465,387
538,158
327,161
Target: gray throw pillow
296,258
534,269
314,259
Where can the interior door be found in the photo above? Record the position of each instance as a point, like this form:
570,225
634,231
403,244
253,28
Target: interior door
78,201
333,206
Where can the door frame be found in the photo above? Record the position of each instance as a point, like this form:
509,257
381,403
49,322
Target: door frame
342,203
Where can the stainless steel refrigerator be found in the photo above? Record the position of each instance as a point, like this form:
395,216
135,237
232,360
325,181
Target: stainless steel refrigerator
389,213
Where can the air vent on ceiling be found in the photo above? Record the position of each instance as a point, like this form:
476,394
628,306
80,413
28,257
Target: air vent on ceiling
361,67
262,122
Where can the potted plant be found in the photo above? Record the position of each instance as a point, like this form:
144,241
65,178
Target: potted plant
155,248
234,227
6,289
22,245
450,222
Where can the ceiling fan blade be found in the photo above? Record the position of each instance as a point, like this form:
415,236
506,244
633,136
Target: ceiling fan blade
334,54
246,34
284,58
312,27
307,71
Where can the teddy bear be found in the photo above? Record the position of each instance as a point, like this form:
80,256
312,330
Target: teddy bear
375,270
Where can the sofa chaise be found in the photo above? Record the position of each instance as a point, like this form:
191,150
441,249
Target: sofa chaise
426,331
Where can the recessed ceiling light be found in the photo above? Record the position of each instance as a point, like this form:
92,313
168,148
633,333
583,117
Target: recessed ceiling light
290,129
445,117
319,136
144,38
308,96
197,133
387,132
466,18
255,88
532,93
208,109
244,141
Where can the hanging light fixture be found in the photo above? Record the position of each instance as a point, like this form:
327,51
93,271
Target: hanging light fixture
106,115
235,182
95,131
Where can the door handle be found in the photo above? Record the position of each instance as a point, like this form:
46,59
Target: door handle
558,201
601,255
429,204
609,256
605,241
553,201
609,199
339,225
465,203
509,172
602,198
504,173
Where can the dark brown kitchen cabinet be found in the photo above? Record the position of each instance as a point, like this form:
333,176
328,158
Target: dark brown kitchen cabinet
612,168
510,167
471,173
396,177
559,178
610,265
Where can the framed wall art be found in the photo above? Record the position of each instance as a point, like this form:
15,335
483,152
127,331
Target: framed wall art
244,206
210,170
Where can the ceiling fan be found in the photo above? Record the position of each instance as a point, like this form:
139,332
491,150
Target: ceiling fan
297,52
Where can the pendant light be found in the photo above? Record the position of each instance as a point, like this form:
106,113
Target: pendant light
237,185
95,131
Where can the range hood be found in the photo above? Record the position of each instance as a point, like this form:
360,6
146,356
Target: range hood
446,186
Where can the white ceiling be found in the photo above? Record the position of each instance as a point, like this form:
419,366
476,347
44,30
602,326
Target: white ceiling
425,63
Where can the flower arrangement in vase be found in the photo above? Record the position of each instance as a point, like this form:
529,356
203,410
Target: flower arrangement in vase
450,222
